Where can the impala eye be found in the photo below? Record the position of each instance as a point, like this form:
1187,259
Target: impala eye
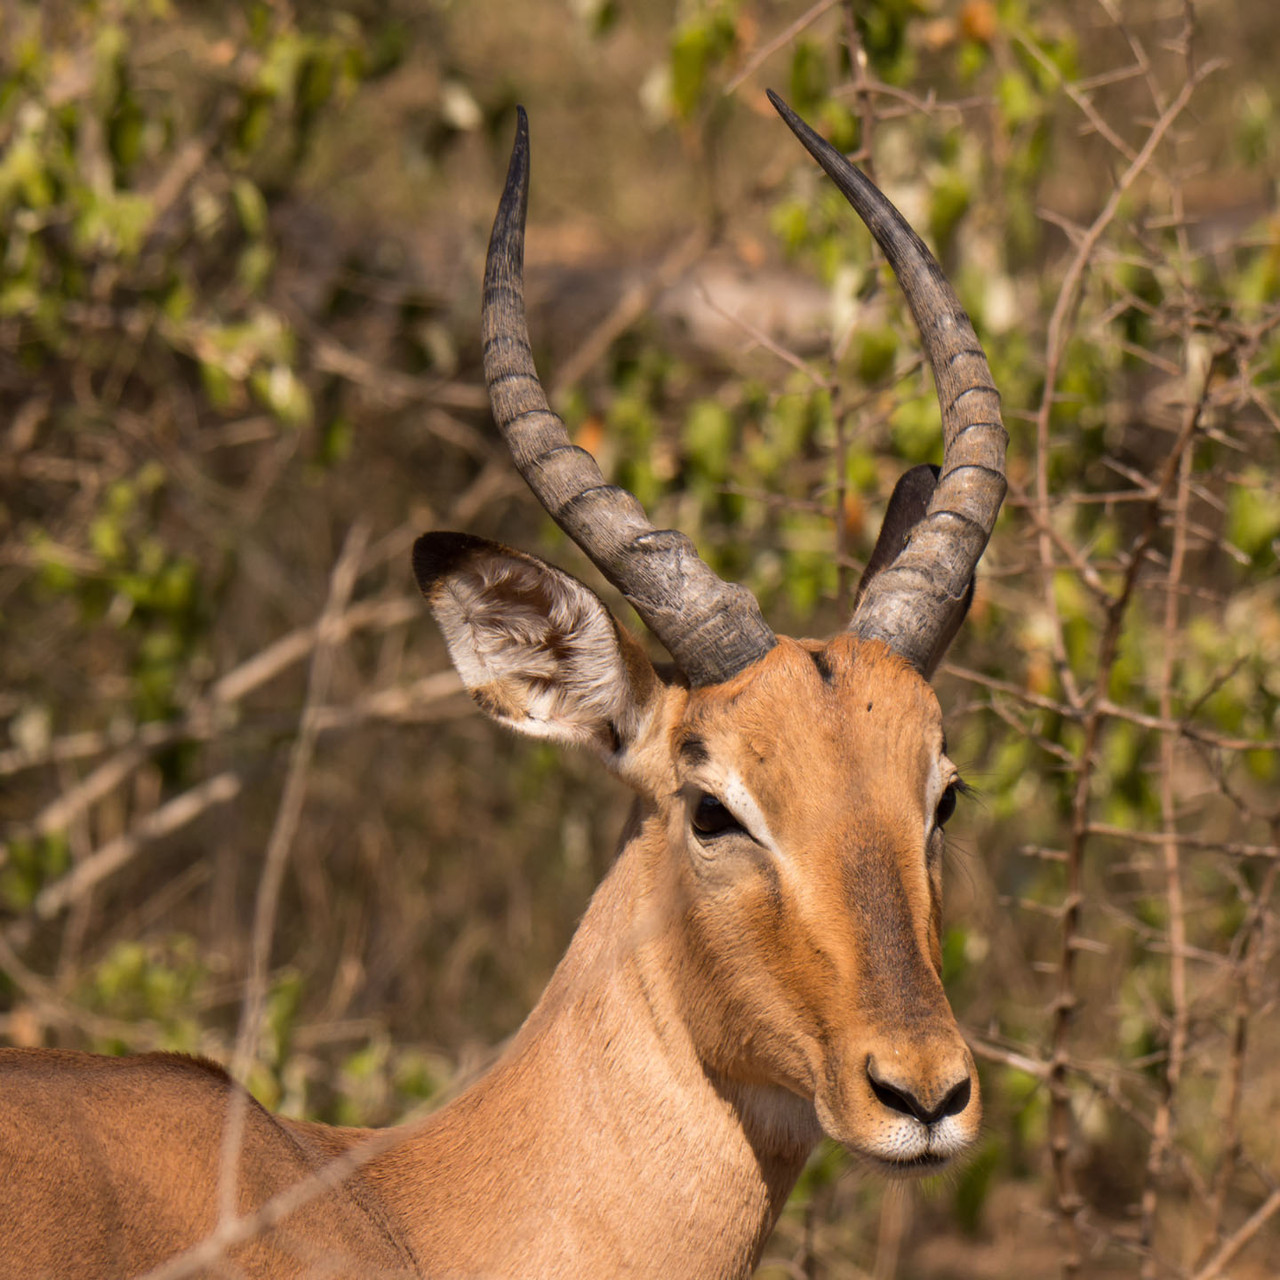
711,818
947,805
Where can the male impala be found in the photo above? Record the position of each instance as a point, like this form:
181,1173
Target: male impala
759,968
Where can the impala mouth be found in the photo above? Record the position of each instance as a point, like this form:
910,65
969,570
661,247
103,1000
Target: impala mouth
904,1169
906,1148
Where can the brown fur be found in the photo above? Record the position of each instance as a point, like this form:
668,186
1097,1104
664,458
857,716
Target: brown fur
724,1002
110,1166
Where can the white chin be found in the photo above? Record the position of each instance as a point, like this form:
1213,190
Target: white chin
912,1151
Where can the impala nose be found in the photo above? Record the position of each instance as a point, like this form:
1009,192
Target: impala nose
926,1101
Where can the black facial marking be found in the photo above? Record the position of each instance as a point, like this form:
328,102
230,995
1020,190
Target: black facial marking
693,751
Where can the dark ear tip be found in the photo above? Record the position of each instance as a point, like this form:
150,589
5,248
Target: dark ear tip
436,554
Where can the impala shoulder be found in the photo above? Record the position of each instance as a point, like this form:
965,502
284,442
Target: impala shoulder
187,1066
71,1063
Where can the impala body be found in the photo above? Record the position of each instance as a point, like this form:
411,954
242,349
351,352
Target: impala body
760,966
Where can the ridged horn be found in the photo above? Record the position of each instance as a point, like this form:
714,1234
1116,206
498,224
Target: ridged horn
713,629
912,602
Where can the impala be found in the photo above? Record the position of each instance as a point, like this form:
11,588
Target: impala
759,968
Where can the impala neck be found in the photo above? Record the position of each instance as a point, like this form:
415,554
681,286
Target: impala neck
600,1144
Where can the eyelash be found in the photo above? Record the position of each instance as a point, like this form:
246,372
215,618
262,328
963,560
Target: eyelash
956,788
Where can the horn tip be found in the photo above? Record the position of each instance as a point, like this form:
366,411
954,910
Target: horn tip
833,161
520,147
781,107
793,121
508,224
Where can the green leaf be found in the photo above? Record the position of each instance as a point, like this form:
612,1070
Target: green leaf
916,428
1017,100
1253,516
948,203
250,207
872,352
709,439
697,47
808,79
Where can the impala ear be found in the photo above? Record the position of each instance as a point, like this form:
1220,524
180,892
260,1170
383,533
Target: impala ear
536,649
908,505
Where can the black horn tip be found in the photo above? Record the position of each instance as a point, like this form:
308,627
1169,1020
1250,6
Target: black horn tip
521,144
508,224
814,143
866,198
793,120
517,188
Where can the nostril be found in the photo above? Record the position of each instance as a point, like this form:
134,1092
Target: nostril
956,1101
894,1099
902,1099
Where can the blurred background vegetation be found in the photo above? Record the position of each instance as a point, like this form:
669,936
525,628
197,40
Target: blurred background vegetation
240,252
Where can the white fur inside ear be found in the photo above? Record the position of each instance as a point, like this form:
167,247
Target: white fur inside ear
536,649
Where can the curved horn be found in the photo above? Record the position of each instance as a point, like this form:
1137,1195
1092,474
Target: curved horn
711,628
912,603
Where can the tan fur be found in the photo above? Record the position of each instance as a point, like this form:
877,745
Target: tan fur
719,1008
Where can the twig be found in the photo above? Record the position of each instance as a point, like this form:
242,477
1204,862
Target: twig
233,1230
288,815
758,336
1240,1237
1055,346
1164,1123
161,822
784,37
392,387
1069,1202
203,718
71,803
1105,707
862,88
628,309
1077,95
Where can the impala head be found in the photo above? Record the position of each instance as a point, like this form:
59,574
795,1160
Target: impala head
793,794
